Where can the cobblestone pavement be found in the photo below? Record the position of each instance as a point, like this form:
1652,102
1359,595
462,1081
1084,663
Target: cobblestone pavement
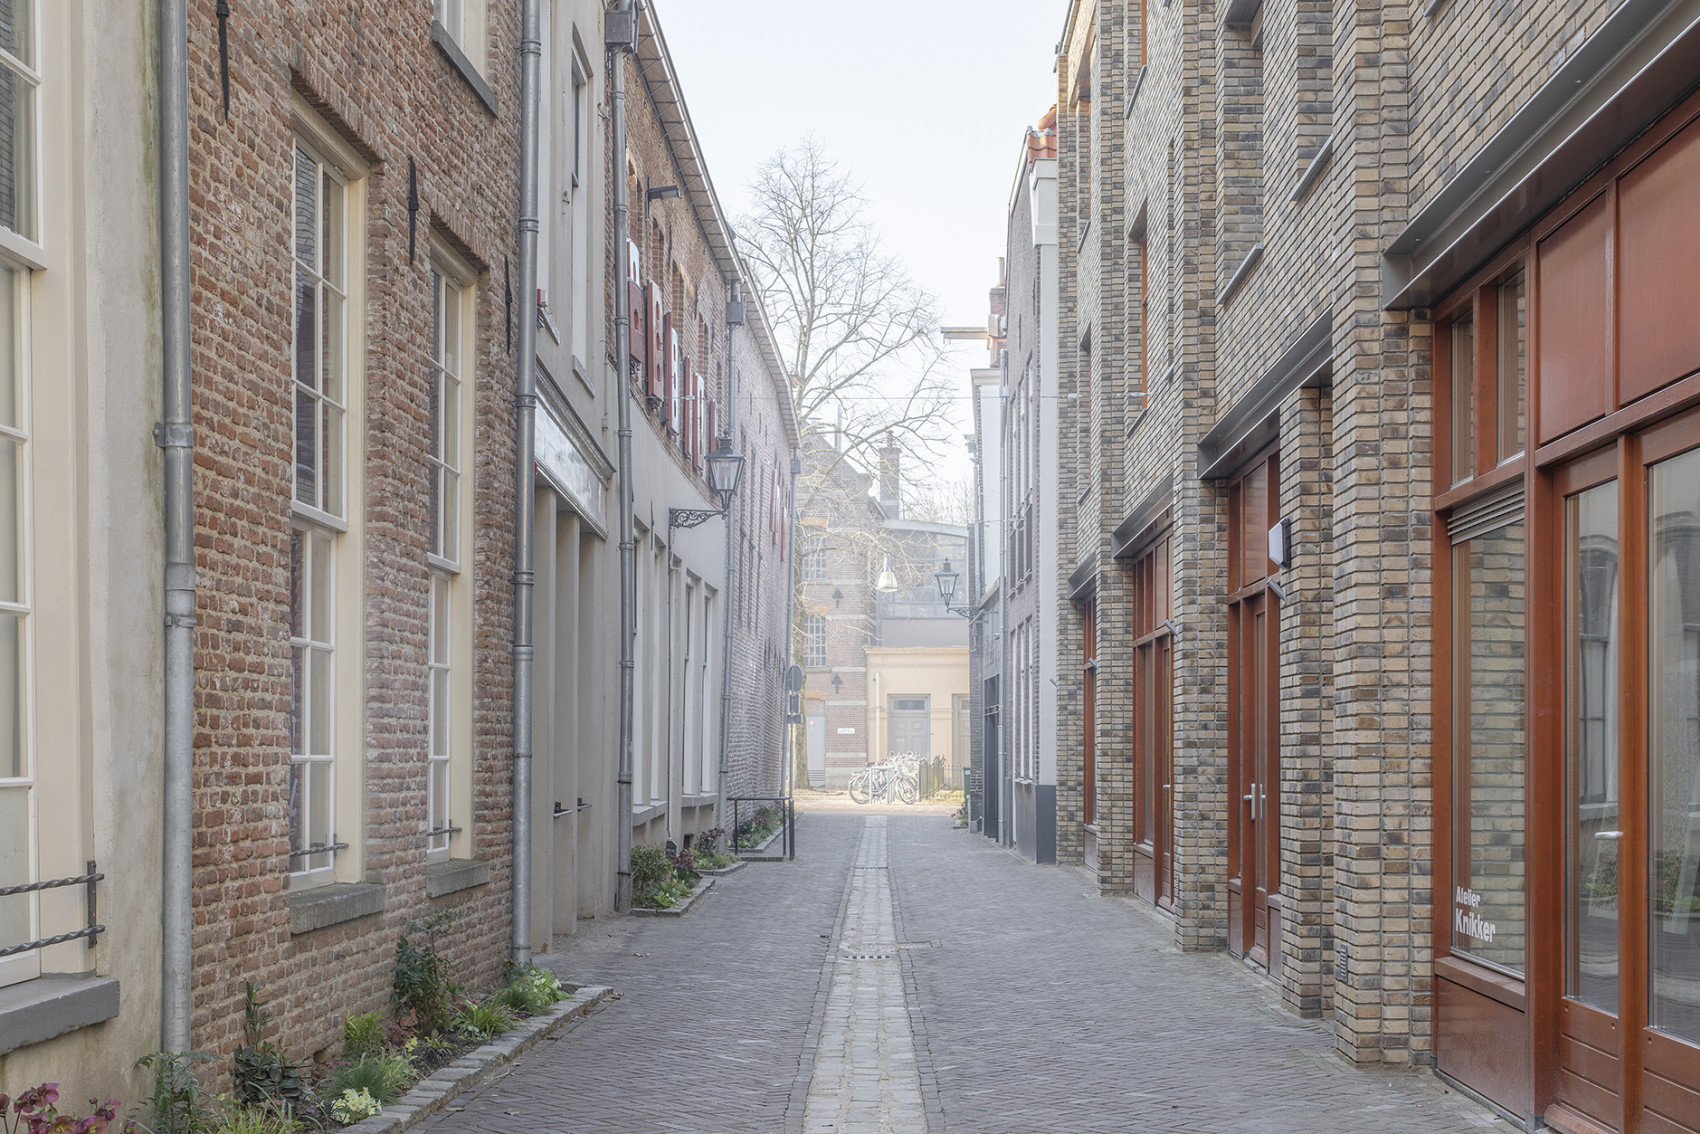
1017,1001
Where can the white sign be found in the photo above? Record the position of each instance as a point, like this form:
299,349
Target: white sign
563,466
846,732
1467,921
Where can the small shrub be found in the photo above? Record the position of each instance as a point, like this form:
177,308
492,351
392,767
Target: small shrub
650,868
483,1021
261,1072
253,1120
384,1077
364,1034
352,1106
685,869
531,990
177,1104
423,991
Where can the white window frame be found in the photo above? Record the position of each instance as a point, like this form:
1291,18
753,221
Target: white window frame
25,241
311,646
24,966
447,823
466,21
343,529
328,508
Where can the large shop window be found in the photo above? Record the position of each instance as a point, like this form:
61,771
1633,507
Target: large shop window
1488,681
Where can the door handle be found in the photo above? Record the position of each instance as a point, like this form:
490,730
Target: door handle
1608,834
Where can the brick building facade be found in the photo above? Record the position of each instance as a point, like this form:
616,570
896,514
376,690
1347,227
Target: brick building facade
1295,516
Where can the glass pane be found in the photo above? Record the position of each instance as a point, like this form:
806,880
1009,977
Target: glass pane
1463,399
450,451
319,694
14,865
320,589
332,460
1673,631
297,812
451,328
298,701
1513,320
333,353
8,346
330,235
17,153
1591,725
319,826
13,765
306,448
1488,748
297,584
11,530
451,515
306,209
17,32
436,315
439,712
440,590
440,795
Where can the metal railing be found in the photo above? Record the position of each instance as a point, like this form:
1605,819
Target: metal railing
746,822
933,776
89,932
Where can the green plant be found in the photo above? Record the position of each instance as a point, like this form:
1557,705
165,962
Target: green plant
261,1072
352,1106
255,1120
177,1104
650,868
483,1021
384,1077
364,1034
530,990
423,990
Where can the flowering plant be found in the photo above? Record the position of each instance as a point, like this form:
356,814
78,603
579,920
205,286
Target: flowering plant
352,1106
36,1111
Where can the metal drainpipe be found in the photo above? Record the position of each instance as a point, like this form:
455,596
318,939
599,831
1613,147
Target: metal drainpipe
525,472
628,544
731,577
175,436
788,770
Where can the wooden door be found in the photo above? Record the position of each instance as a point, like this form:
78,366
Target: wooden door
1253,715
1629,1013
1089,728
1153,732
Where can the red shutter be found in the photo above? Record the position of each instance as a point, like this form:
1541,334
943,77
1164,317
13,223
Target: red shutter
635,306
669,360
657,355
784,533
713,437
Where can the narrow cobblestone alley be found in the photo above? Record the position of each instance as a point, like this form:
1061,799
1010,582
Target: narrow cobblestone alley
904,976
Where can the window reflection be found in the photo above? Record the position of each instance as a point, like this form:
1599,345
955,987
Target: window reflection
1673,930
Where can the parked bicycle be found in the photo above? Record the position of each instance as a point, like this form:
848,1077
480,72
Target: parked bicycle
896,778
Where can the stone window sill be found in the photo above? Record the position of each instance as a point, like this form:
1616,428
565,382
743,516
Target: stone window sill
441,37
326,906
51,1005
455,874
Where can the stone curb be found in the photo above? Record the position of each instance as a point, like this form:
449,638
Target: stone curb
431,1094
679,910
720,870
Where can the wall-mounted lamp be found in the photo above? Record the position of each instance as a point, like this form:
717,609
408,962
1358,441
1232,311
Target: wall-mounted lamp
947,580
837,597
725,470
837,682
663,193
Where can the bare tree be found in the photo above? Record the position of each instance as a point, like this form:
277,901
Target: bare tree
860,338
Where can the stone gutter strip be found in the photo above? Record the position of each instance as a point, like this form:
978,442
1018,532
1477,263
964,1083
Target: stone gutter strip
697,891
431,1094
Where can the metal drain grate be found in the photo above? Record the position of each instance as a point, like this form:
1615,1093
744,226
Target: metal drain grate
869,956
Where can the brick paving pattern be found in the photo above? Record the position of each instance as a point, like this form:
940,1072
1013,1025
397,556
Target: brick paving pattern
1026,1002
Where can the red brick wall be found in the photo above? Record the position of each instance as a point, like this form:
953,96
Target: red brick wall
370,67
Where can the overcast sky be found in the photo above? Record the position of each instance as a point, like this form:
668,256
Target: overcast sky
924,102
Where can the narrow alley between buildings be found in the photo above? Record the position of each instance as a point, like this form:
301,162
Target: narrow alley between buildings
903,976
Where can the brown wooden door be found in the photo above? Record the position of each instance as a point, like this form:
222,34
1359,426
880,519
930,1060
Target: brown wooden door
1153,728
1253,715
1089,728
1629,1014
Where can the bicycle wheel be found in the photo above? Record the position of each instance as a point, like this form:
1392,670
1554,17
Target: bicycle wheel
859,788
908,791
